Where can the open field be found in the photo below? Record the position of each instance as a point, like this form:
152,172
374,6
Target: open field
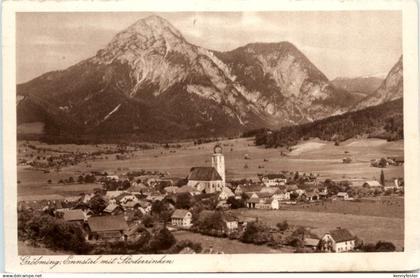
226,245
383,206
324,159
367,228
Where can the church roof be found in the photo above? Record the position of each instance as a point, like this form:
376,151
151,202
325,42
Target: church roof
204,174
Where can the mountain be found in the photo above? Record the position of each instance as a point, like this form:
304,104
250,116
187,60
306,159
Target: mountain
390,89
149,83
382,121
358,86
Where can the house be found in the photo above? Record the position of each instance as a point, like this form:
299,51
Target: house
275,204
187,250
113,209
374,184
205,179
132,204
281,195
226,193
110,227
75,216
138,188
339,240
300,192
252,202
244,220
270,190
125,197
311,242
312,196
181,218
230,222
274,180
264,204
113,194
238,190
343,196
113,177
171,189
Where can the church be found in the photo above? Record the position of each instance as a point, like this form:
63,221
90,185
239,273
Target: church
209,179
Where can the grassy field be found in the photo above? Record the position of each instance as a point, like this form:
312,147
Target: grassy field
314,156
383,206
367,228
226,245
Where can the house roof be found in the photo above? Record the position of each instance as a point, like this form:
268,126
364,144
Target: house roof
73,215
179,213
121,196
187,250
227,191
341,235
131,204
204,174
311,241
372,183
107,223
253,200
111,208
230,218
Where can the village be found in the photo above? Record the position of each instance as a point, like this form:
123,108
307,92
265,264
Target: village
143,211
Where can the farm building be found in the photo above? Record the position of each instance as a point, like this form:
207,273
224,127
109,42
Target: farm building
181,218
107,228
252,202
339,240
75,216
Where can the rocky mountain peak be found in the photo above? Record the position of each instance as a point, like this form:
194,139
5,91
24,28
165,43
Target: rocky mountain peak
151,34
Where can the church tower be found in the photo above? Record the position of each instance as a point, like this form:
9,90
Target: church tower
218,162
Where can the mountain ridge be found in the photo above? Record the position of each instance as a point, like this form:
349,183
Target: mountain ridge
149,74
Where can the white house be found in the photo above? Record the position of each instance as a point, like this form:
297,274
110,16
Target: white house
275,204
339,240
343,195
274,180
181,218
231,223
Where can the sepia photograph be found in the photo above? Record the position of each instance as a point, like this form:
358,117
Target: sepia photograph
209,133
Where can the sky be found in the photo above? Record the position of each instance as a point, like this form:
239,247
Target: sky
339,43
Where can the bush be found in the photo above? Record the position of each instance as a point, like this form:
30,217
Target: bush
283,226
179,246
161,240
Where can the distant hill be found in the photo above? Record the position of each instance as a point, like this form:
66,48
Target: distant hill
358,86
381,121
390,89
